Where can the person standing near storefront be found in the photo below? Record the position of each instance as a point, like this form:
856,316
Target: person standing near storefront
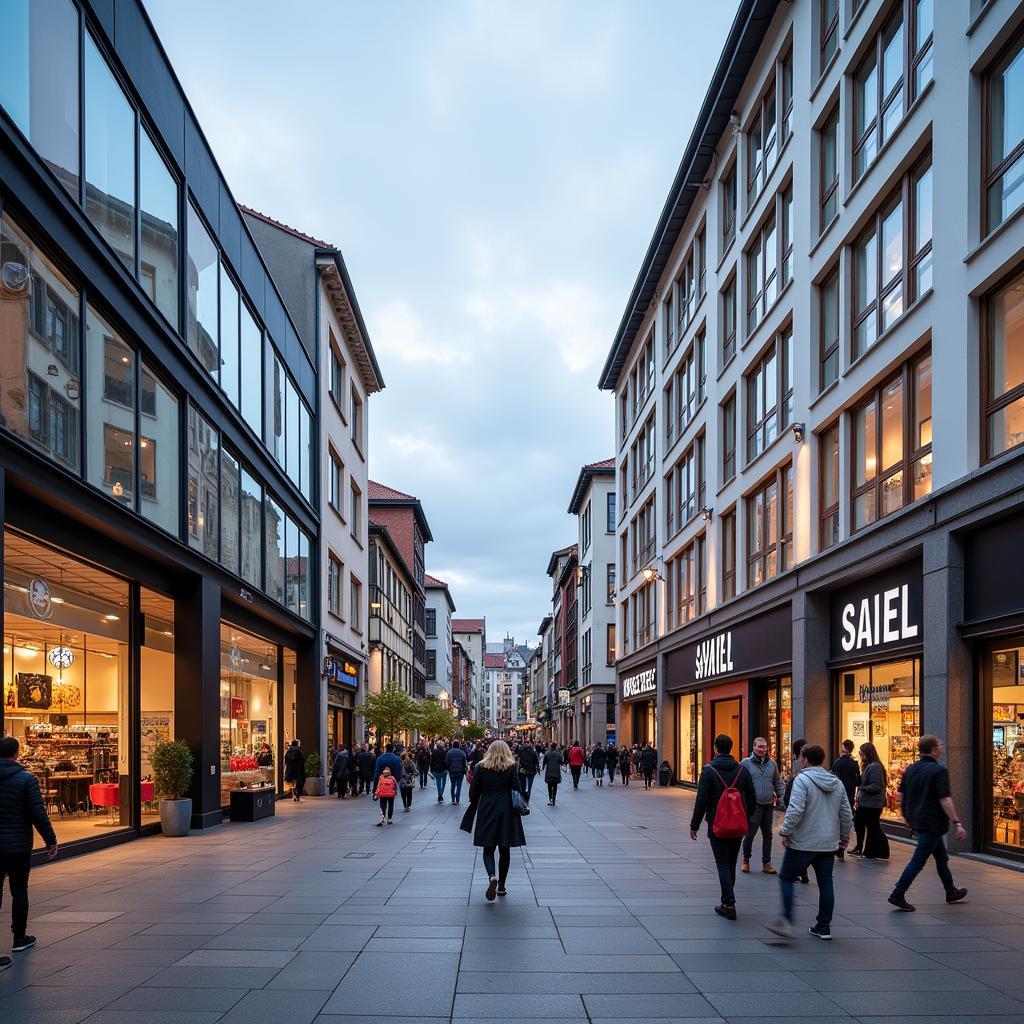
365,762
577,758
929,810
625,764
872,843
723,772
598,763
649,762
767,789
21,808
845,769
295,770
817,823
552,772
340,771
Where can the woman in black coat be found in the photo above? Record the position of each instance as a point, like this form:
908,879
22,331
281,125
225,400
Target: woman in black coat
552,771
295,770
625,763
497,823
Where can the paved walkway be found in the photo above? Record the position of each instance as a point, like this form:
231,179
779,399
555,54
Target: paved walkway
317,915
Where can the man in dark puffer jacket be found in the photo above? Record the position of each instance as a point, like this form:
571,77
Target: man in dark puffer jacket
21,807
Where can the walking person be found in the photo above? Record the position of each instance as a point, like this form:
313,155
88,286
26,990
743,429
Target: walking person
723,773
21,809
365,761
497,824
407,781
529,765
768,789
384,789
817,823
648,763
340,772
423,764
845,769
598,763
611,758
458,764
873,842
929,810
796,749
577,758
625,764
389,759
439,769
295,770
636,759
552,772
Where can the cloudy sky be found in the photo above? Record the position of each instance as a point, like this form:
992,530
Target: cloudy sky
493,172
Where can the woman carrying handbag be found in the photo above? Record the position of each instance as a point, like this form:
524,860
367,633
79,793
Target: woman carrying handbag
870,803
492,807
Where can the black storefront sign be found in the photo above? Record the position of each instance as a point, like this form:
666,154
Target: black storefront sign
640,683
878,614
754,647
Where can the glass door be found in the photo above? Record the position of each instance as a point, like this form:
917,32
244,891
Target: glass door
1002,718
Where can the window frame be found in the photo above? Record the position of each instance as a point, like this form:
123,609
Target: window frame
729,197
759,172
828,33
827,348
686,584
757,430
830,512
682,505
782,546
990,175
828,191
729,336
990,406
728,559
729,421
776,215
335,574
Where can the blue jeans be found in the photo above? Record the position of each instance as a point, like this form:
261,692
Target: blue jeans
441,778
929,844
456,784
794,864
527,781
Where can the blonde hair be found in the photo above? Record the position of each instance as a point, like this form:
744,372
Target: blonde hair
498,757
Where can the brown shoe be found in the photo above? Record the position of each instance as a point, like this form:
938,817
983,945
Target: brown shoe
768,870
745,867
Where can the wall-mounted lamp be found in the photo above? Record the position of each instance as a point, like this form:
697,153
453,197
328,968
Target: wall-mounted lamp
707,511
582,574
799,430
650,573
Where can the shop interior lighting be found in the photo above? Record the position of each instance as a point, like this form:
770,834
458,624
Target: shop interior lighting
112,618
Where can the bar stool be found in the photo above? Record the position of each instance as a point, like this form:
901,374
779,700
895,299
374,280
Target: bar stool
108,795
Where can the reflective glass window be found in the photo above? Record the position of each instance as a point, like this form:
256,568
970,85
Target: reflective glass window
273,526
158,453
251,346
110,406
230,486
158,209
251,529
202,272
228,336
203,488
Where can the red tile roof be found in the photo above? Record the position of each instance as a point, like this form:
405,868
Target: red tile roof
286,227
381,492
603,464
494,661
468,625
433,581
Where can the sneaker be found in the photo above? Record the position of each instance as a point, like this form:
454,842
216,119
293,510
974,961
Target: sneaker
492,889
28,941
5,962
899,901
955,895
502,891
822,931
768,870
745,867
380,823
440,799
781,927
729,913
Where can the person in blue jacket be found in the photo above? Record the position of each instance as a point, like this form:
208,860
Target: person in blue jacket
457,764
389,759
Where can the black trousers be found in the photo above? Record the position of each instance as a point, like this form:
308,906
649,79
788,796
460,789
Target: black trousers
341,787
648,778
15,867
876,844
552,791
406,795
625,775
504,860
423,776
726,853
575,769
387,806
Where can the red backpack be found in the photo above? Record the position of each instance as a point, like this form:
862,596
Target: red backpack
731,813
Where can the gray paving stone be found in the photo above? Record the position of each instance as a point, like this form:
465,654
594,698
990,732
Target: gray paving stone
748,981
890,981
866,1004
235,958
427,982
314,971
153,1017
212,977
500,982
272,1007
187,1000
773,1004
522,1005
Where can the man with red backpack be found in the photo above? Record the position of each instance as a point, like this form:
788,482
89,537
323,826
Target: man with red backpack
726,799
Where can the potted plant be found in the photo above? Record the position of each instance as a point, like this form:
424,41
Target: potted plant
172,776
314,775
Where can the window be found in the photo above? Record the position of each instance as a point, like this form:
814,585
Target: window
669,312
158,213
251,359
110,407
355,604
356,420
643,457
610,583
728,555
585,528
355,511
686,391
729,438
770,129
728,194
1004,166
828,449
230,491
642,532
337,382
274,549
892,260
729,321
431,622
431,664
770,528
610,637
829,169
337,474
686,593
610,513
203,485
276,413
203,272
39,80
684,488
334,574
251,542
892,441
1004,360
828,296
770,394
109,157
229,362
771,251
828,16
158,464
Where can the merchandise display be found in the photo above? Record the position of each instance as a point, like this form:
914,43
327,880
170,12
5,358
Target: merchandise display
1007,748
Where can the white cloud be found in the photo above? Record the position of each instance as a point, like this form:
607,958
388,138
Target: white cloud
399,332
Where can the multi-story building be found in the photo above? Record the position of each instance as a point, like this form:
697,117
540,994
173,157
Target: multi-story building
820,401
505,683
403,515
321,301
593,504
472,634
540,680
462,682
563,669
158,434
391,602
438,630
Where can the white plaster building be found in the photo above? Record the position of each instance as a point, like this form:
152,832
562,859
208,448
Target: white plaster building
438,628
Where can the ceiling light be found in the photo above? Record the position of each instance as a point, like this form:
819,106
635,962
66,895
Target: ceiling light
57,600
167,632
112,618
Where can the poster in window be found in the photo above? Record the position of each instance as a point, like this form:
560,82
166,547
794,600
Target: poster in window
1004,668
35,692
238,708
155,728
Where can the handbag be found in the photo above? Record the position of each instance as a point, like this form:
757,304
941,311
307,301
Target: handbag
519,805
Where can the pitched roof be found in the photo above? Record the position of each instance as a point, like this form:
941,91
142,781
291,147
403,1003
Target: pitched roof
285,227
604,468
468,625
381,494
433,581
556,555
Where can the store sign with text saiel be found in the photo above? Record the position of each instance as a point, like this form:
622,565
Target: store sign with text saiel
881,612
639,683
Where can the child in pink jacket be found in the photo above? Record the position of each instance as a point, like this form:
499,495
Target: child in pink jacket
387,790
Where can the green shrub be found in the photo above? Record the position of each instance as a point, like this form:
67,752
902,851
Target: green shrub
172,769
313,765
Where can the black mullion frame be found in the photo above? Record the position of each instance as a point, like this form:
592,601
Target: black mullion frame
995,173
825,31
832,189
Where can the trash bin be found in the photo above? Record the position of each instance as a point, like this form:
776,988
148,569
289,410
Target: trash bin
665,774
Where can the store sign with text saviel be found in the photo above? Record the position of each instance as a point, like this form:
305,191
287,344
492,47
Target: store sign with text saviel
640,683
880,613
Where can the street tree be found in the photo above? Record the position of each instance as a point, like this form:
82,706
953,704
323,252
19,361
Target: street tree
391,711
435,722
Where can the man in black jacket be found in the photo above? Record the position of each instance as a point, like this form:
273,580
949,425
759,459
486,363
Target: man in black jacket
365,762
21,807
723,771
847,771
529,765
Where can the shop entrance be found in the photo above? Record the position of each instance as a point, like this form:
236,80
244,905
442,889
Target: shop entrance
1002,719
690,736
727,719
645,724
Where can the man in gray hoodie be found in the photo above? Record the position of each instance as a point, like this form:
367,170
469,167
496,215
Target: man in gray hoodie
817,823
768,788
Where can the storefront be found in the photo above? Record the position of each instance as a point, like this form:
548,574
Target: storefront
734,681
875,646
638,708
994,621
342,674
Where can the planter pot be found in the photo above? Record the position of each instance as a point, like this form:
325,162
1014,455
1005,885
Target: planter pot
175,817
314,787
